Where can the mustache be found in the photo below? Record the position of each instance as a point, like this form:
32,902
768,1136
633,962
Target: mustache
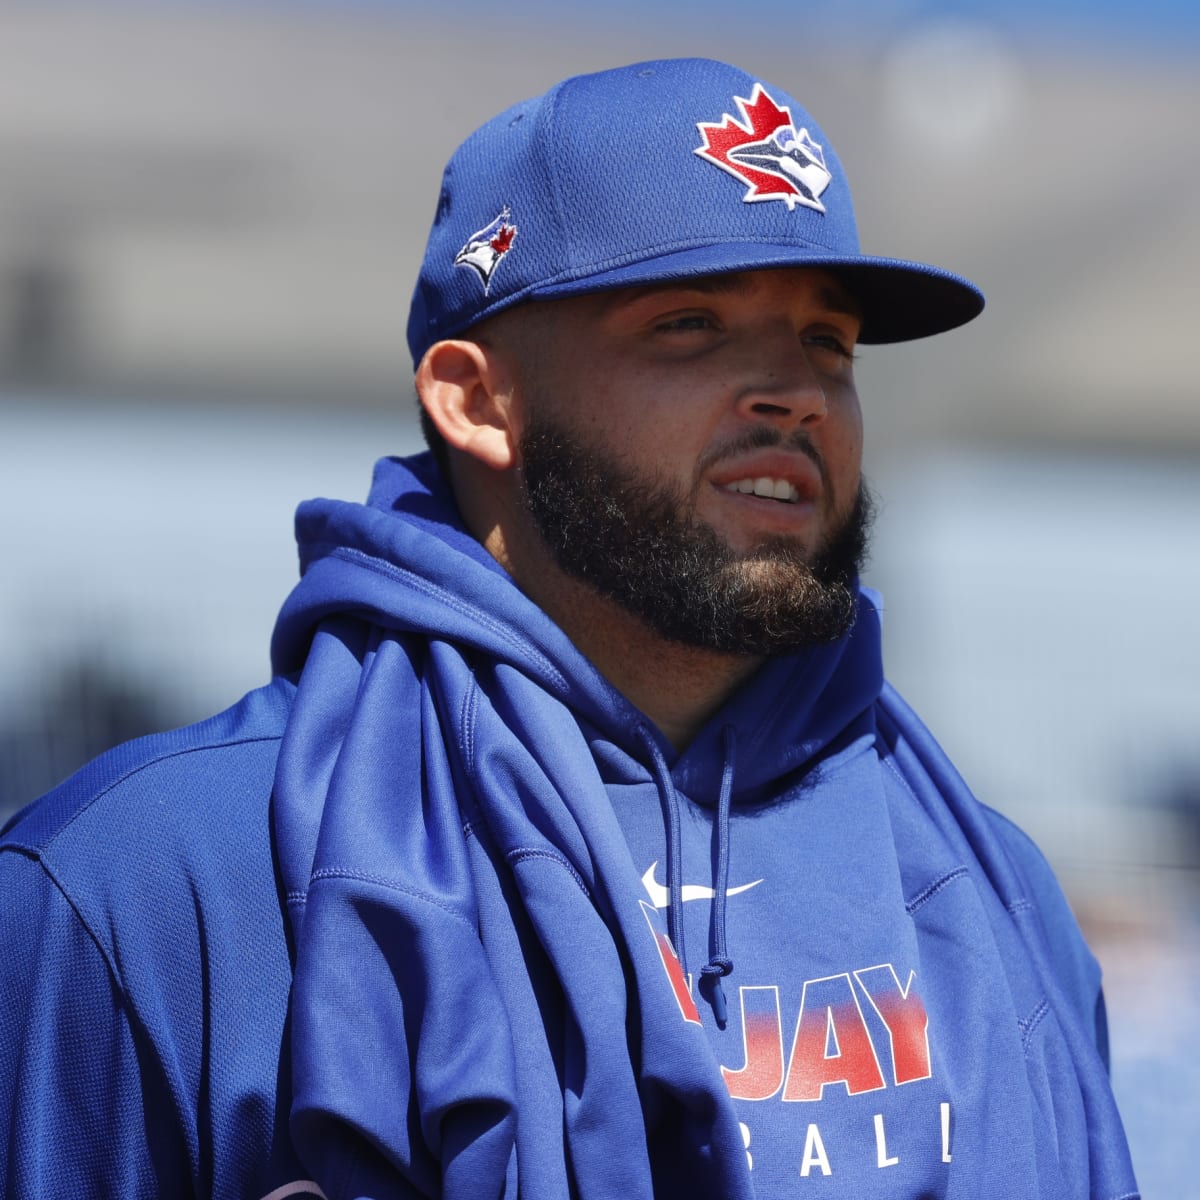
763,437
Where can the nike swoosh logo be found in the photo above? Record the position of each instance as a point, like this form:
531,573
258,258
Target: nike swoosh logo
301,1187
660,897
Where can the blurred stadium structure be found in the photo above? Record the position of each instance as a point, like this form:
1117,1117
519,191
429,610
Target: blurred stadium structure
210,218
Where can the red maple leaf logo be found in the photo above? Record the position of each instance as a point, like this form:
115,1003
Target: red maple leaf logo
503,239
761,117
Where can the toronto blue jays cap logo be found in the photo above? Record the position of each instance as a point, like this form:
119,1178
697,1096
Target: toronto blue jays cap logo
486,247
766,152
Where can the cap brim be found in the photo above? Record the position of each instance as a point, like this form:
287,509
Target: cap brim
900,300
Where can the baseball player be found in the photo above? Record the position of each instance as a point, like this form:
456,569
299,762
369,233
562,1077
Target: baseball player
577,846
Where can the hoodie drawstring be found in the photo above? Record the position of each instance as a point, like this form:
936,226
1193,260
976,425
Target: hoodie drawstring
719,964
669,800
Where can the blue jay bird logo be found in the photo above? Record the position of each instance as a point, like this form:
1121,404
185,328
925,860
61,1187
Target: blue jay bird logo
486,247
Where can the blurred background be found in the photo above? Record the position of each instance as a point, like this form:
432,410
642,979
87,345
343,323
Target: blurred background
211,216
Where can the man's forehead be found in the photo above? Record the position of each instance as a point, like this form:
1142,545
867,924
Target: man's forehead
822,287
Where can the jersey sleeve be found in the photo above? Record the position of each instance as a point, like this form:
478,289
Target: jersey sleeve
83,1112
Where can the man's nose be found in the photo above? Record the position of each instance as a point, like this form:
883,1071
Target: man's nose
784,388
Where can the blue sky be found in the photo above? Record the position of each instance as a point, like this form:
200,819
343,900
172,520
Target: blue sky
1161,23
1171,26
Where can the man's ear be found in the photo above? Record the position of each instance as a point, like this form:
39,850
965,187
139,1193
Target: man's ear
466,389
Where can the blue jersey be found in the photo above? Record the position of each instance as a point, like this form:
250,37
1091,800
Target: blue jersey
439,913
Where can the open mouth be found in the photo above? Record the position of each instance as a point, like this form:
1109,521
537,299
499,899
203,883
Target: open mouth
766,487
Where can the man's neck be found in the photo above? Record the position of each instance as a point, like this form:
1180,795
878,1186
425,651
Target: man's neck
678,687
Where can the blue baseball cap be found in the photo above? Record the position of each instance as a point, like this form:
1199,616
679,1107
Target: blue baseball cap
657,171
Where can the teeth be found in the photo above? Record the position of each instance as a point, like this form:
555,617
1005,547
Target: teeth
765,486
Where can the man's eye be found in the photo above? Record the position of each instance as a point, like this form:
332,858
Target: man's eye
830,341
688,321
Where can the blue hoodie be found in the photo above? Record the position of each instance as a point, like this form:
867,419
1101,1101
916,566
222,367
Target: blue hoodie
439,913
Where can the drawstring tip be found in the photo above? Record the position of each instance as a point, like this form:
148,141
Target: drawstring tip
716,998
718,1004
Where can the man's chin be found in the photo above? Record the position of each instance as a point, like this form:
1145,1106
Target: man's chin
769,571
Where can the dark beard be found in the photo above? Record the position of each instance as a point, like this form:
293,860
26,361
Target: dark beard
631,540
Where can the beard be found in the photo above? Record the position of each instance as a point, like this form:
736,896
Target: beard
631,538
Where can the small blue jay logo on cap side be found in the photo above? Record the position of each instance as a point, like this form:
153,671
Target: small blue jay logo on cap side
766,152
486,247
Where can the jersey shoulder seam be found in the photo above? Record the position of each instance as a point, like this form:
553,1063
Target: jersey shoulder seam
39,850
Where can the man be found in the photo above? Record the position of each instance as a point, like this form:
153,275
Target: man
578,846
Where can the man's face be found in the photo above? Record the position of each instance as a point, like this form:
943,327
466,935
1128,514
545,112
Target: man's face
693,451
